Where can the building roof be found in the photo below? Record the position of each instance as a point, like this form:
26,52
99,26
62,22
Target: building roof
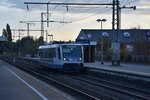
125,35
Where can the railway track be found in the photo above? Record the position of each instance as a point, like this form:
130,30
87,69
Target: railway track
87,86
116,87
51,79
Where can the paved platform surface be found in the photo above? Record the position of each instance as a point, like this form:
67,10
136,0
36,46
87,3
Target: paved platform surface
18,85
139,69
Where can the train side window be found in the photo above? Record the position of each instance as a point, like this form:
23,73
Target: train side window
41,53
59,53
45,53
49,50
50,53
54,52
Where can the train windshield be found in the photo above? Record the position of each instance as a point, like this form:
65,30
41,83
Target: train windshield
72,52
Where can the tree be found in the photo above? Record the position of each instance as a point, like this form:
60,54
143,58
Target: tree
9,34
137,27
141,48
29,46
5,33
123,52
26,44
40,41
106,47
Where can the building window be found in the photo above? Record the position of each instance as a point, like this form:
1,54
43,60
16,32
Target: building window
81,37
105,34
89,36
129,48
148,34
126,34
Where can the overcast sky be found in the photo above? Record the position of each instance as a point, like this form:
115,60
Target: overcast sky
81,17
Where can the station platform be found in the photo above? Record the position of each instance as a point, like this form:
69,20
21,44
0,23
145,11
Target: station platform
18,85
138,69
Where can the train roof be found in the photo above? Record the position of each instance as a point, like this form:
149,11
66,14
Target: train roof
57,45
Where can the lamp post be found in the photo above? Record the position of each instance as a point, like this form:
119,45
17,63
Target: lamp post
102,56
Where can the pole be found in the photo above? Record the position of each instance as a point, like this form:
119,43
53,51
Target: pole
47,14
19,51
42,26
52,37
118,30
46,35
115,29
102,54
89,51
28,29
102,58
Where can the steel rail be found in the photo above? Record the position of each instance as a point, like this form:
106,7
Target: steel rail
115,89
23,66
102,85
118,84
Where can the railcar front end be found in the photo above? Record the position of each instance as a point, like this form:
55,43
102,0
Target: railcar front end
72,57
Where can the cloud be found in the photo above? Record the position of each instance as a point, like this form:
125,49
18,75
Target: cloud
143,7
3,8
20,4
16,4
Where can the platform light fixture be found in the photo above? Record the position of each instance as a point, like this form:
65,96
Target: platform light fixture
102,55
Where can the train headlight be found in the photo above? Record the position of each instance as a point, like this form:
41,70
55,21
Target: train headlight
65,59
80,59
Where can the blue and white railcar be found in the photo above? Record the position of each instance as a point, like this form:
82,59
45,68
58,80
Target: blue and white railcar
66,56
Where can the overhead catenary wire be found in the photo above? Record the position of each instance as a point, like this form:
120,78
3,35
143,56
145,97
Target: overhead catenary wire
129,2
32,6
122,2
26,15
81,18
65,3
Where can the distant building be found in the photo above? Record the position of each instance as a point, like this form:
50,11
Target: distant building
137,41
3,40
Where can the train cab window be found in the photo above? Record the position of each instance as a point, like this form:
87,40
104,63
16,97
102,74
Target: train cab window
72,52
59,53
54,52
50,53
46,53
41,53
